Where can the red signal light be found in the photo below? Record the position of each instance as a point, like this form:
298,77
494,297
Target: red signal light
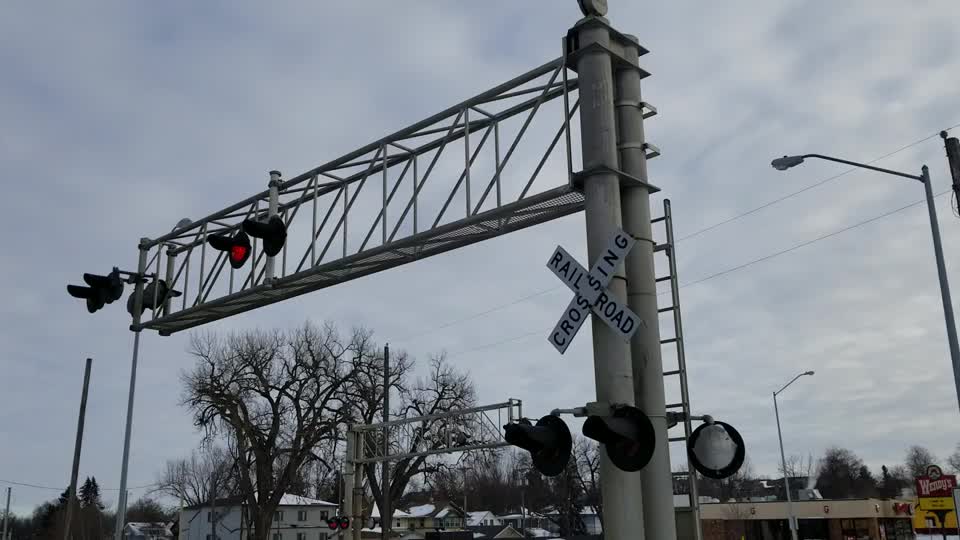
332,524
344,523
238,254
237,247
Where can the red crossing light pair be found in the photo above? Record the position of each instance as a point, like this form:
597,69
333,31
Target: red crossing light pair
272,232
342,522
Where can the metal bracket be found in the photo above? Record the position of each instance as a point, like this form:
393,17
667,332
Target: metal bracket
653,150
619,61
651,110
626,180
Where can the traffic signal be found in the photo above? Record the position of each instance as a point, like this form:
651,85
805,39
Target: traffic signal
627,434
273,232
716,450
237,247
157,289
101,290
549,442
342,522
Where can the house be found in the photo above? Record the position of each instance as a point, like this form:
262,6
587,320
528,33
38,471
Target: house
398,516
525,519
147,531
433,517
296,518
482,518
589,516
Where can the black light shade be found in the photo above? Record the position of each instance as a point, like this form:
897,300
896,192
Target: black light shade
627,435
272,232
549,442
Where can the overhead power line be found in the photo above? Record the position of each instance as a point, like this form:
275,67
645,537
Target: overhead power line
35,486
807,188
722,272
681,239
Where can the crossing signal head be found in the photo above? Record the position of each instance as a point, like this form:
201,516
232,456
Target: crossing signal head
237,247
342,522
154,295
100,290
627,434
549,442
273,232
716,450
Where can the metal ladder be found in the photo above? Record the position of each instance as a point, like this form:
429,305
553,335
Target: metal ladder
677,340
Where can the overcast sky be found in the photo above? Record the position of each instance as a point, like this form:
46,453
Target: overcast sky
119,118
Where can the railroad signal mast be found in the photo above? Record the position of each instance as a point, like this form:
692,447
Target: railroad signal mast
236,259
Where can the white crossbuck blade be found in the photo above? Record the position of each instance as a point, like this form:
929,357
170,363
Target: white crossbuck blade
591,292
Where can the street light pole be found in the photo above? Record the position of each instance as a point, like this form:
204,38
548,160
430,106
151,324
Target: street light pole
786,162
944,284
783,459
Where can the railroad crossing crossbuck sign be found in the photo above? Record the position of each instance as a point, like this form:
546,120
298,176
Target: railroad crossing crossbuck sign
591,292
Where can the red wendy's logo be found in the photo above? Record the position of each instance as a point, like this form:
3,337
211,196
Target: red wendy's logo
934,472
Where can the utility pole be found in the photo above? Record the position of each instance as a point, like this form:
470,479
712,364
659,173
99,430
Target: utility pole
588,52
72,491
386,515
658,513
128,425
213,508
6,515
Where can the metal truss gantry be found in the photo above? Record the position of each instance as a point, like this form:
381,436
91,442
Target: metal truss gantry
381,191
449,432
445,433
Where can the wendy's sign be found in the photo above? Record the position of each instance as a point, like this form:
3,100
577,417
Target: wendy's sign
935,483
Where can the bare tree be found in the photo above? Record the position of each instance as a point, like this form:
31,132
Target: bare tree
917,460
192,480
954,460
277,396
798,467
443,389
586,456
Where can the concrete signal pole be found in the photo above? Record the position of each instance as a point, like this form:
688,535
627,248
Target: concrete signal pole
588,53
657,479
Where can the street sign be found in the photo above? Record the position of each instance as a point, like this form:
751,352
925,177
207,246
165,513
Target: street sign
936,503
936,491
935,483
591,293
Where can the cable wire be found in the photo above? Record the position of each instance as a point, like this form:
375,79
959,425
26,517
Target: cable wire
723,272
681,239
35,486
808,188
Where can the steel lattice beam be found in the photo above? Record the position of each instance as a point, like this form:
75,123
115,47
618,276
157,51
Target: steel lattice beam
445,433
326,203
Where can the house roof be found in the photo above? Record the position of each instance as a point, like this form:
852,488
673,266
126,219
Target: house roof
423,510
476,518
287,499
492,531
397,513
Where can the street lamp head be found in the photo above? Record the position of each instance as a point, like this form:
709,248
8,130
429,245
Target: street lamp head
808,372
784,163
